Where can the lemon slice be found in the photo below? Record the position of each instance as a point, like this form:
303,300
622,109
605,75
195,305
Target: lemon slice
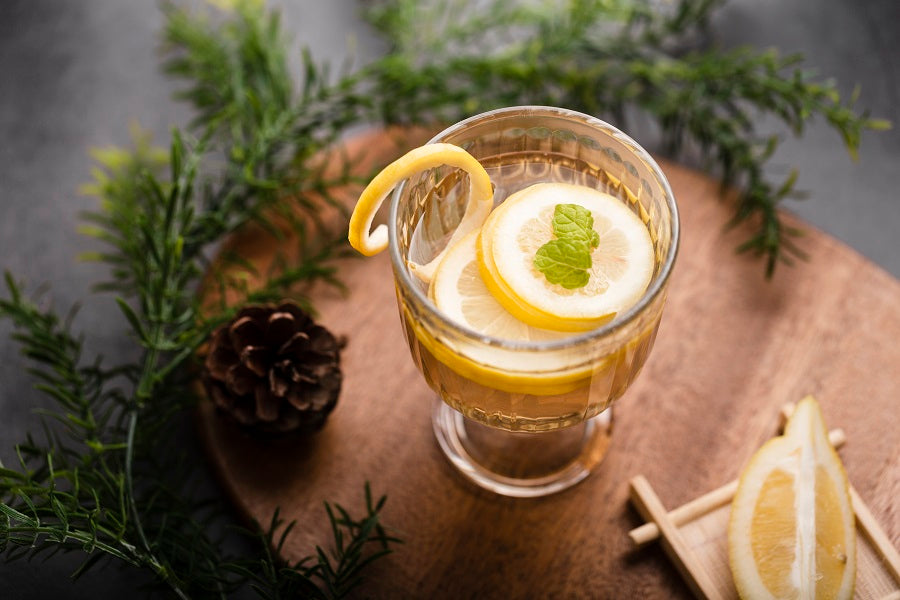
420,159
792,532
621,265
459,293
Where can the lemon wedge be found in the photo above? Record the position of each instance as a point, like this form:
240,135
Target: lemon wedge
420,159
621,265
792,530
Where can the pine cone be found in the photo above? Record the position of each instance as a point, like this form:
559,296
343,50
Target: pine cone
273,370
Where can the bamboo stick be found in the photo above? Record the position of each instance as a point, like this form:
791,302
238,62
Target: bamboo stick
872,529
692,570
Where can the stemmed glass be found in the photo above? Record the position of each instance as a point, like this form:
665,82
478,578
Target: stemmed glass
528,419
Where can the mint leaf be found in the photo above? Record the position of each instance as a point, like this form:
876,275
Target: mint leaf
565,262
572,221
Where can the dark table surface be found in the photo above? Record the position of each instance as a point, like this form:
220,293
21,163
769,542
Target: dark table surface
73,75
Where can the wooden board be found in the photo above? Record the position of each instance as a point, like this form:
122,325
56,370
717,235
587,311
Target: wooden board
731,350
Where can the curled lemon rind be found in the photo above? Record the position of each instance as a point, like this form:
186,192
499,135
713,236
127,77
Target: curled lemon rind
369,242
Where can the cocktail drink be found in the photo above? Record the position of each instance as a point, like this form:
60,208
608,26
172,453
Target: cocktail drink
531,313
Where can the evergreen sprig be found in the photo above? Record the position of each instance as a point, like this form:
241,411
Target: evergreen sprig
619,59
118,486
84,494
106,478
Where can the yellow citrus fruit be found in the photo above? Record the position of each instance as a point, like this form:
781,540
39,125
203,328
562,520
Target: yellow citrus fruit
792,530
420,159
621,265
507,371
459,293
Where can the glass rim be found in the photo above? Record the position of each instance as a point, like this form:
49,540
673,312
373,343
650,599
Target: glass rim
620,320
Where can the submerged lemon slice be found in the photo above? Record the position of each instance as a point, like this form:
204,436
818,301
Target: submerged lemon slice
621,265
420,159
792,531
459,293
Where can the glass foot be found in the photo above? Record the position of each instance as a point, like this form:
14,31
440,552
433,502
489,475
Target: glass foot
521,465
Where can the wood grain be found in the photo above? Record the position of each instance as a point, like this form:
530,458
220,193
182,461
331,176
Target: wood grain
731,350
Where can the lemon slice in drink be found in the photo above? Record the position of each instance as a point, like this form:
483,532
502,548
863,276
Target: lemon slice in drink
420,159
459,293
621,265
792,531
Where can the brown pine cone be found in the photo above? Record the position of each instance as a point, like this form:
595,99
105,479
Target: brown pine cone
273,370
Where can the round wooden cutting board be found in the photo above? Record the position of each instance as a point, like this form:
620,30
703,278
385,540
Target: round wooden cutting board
732,349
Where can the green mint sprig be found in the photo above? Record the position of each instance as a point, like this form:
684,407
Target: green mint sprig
565,260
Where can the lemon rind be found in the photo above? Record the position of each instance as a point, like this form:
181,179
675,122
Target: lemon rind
370,242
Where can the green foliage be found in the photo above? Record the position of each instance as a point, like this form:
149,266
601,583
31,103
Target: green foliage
565,260
239,84
112,481
106,478
326,575
618,59
76,490
574,222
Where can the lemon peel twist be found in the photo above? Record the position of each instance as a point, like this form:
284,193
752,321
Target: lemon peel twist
429,156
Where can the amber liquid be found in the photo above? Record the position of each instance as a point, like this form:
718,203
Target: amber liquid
508,398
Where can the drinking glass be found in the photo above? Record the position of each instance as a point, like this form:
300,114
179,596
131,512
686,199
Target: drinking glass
528,419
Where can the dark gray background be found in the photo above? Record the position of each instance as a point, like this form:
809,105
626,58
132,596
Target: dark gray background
73,75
